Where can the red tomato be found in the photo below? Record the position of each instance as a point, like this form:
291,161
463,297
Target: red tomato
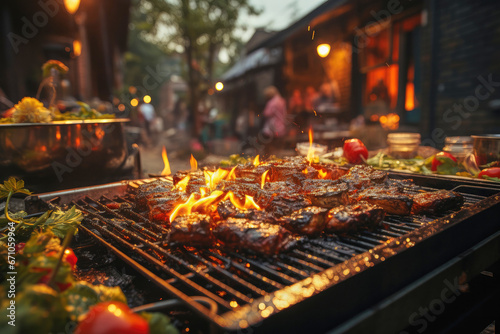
355,151
493,172
111,318
439,158
70,257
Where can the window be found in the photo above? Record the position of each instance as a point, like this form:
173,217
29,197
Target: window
389,65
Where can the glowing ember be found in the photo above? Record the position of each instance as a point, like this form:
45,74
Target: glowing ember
310,152
182,184
166,170
305,171
194,163
263,182
256,161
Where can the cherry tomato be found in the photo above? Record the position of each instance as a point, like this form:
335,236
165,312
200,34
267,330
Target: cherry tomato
493,172
111,318
440,158
355,151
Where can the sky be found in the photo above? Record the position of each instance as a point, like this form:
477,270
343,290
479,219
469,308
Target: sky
277,14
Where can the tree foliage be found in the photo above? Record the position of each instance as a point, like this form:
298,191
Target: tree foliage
199,29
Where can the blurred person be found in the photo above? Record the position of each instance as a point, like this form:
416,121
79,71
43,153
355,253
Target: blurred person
148,115
327,100
296,103
309,96
275,119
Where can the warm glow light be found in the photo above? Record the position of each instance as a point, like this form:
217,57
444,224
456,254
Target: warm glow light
212,179
263,181
134,102
71,6
183,209
121,107
146,99
310,151
256,161
323,50
132,90
410,97
390,121
219,86
194,163
77,48
166,170
58,133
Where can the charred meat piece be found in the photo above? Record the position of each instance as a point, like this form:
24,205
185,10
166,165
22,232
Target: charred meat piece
198,174
251,172
239,189
295,172
285,204
285,186
261,238
193,230
226,209
361,177
308,221
326,193
352,218
162,204
390,199
148,189
330,172
437,202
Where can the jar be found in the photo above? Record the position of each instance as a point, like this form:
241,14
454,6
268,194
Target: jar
459,147
403,145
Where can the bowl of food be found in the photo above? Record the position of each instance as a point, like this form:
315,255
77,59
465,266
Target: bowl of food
486,149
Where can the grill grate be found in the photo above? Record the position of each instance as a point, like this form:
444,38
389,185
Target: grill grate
231,279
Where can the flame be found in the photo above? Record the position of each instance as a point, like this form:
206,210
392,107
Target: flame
194,163
58,133
264,175
256,161
184,208
322,173
182,184
305,171
310,152
166,170
249,202
232,176
212,179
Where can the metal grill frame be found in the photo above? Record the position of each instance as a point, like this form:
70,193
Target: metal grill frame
344,281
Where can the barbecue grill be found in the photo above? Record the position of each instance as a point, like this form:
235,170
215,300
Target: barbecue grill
371,281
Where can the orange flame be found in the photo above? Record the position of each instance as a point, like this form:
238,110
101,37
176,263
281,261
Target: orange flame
182,184
184,208
305,171
310,152
166,170
249,202
232,175
212,179
263,181
256,161
322,174
194,163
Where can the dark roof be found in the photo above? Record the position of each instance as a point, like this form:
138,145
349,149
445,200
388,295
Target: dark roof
282,35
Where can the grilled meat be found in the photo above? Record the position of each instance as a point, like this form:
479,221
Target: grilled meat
352,218
436,202
330,172
308,221
361,177
391,199
162,204
250,172
326,193
147,190
255,236
239,189
226,209
197,174
295,172
285,204
194,230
